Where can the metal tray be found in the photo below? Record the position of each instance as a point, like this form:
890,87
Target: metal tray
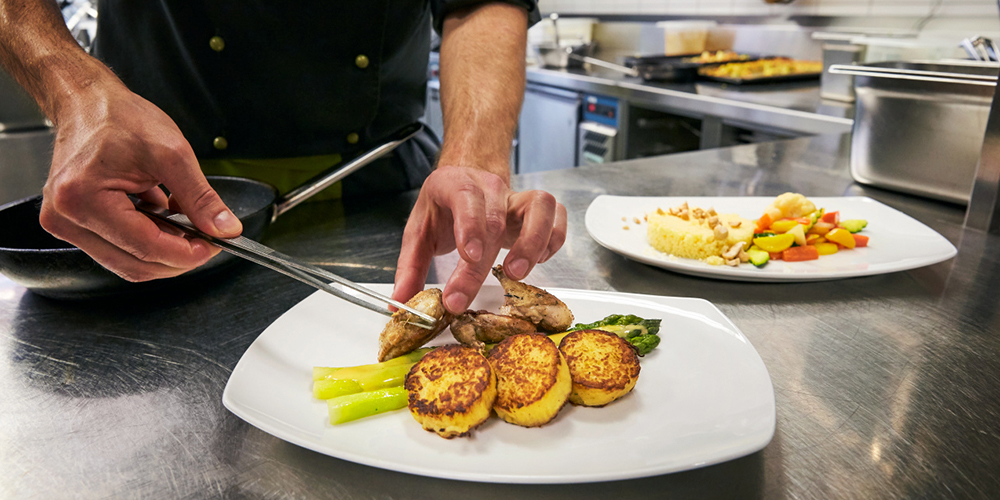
764,79
672,68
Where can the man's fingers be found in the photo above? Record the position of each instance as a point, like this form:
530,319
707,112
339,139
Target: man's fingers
414,259
465,282
155,196
110,256
558,236
467,205
537,210
196,198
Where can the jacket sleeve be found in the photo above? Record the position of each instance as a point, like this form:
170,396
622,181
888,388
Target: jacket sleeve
441,8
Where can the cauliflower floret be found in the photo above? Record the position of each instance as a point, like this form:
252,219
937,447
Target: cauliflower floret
791,205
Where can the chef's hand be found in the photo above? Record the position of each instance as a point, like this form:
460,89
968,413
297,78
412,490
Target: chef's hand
475,211
110,142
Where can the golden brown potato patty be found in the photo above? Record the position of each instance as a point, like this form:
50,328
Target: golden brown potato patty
603,366
451,390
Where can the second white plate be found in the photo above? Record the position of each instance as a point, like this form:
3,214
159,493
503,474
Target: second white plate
898,242
703,397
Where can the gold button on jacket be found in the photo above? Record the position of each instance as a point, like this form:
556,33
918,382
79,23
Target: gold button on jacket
220,143
361,61
352,138
217,43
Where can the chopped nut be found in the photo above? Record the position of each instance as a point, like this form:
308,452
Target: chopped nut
674,211
721,232
636,220
645,218
624,219
660,211
713,221
744,256
711,211
735,224
684,206
733,262
699,213
625,228
684,215
734,251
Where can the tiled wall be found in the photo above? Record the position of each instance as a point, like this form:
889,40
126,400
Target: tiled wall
941,8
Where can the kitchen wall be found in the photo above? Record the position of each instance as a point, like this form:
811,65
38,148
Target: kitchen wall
939,8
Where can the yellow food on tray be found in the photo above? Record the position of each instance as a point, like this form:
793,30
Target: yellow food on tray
718,56
697,233
763,68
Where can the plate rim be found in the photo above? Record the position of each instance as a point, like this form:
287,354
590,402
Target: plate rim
683,267
251,417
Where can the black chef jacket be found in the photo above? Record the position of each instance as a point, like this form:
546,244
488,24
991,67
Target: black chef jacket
273,78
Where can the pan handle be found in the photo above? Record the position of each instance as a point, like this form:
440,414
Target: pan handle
338,172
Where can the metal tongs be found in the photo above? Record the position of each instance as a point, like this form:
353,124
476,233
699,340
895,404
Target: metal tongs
981,49
272,259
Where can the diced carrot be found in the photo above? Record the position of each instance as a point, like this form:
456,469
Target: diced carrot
775,256
860,240
831,217
795,254
763,223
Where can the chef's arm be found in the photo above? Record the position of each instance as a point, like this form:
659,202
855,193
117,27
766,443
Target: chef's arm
482,85
109,143
41,54
466,203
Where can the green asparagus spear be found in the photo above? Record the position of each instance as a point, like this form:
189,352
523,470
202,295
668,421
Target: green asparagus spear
365,404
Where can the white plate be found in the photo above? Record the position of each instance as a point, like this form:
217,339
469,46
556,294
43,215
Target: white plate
703,397
898,241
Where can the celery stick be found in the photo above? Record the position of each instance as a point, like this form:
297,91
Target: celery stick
365,404
326,389
390,376
353,372
322,372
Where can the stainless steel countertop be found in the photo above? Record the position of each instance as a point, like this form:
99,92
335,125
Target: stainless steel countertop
886,386
793,106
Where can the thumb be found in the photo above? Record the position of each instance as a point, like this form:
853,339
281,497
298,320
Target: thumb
195,197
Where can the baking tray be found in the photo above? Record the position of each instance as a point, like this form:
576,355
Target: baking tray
764,79
672,68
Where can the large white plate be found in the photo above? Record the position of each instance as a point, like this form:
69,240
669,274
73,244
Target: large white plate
898,241
703,397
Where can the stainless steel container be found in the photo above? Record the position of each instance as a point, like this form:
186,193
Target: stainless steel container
838,49
918,126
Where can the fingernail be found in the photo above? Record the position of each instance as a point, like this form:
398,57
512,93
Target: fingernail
457,302
226,222
474,248
518,268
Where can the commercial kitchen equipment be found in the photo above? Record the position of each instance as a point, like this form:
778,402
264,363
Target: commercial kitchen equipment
918,126
598,132
546,138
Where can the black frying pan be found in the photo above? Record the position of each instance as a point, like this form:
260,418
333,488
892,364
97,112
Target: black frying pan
33,258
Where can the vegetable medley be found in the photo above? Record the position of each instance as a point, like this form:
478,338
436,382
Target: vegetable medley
793,229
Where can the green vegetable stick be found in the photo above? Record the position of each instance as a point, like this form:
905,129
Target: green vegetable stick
321,372
390,376
365,404
326,389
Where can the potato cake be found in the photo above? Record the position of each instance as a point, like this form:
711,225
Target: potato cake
451,390
603,366
533,380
